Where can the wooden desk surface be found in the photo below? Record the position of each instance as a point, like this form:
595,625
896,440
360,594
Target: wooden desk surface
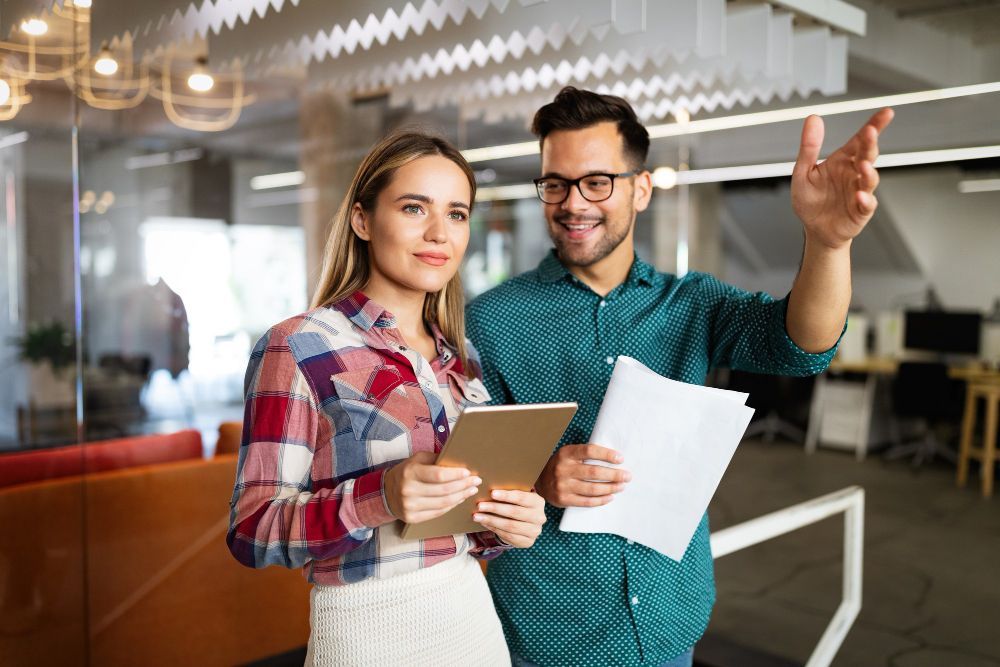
888,366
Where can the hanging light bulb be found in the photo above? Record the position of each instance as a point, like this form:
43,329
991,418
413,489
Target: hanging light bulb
4,92
105,63
200,80
35,27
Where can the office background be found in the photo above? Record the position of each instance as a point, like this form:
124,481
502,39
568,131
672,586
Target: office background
157,218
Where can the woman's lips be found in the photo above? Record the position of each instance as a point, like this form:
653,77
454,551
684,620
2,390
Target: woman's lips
432,258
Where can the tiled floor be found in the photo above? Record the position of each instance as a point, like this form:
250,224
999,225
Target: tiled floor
932,562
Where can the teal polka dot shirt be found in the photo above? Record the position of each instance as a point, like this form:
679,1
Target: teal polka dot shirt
579,599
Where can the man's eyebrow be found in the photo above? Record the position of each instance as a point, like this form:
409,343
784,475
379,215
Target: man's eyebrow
427,200
592,172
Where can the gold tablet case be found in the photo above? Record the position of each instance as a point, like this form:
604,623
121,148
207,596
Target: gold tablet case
505,445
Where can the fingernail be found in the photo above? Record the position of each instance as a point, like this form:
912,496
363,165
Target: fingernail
619,458
499,495
465,473
628,477
477,481
471,491
477,517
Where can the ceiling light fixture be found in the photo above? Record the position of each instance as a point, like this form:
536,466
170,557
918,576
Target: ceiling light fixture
105,63
200,80
283,180
979,185
4,92
34,27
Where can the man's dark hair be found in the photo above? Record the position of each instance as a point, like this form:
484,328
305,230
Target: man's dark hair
575,109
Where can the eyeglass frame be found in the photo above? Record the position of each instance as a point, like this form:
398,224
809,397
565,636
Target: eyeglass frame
570,182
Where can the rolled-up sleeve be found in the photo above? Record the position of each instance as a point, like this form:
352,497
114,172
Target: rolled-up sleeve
280,515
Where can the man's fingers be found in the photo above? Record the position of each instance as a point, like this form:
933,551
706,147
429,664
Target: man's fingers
594,489
867,176
575,500
602,474
865,202
881,119
599,453
811,143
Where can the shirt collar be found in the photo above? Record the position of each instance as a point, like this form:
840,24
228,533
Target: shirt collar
365,313
551,270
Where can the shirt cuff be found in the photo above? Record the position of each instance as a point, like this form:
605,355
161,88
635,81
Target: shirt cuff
488,545
369,499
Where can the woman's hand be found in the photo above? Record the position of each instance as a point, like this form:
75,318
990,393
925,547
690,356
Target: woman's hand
416,490
515,516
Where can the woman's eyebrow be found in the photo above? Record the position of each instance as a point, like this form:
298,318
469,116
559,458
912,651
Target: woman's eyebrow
427,200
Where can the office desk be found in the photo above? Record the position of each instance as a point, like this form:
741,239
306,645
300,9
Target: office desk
840,416
853,413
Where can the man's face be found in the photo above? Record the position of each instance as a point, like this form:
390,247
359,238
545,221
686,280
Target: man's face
586,232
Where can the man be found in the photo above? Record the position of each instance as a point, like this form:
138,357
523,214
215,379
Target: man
553,334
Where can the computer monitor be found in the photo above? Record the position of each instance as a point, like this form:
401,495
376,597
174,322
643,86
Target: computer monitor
949,332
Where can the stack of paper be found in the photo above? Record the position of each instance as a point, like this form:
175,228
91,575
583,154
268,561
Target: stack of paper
677,440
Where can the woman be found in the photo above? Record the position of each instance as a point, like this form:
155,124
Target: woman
346,406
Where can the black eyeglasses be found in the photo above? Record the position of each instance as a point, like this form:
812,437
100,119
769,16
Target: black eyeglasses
592,187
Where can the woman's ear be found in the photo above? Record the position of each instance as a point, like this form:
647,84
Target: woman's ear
360,222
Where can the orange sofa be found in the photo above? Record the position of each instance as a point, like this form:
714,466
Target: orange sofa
131,566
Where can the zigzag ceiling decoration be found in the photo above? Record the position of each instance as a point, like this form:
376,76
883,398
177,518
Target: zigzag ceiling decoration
499,57
757,43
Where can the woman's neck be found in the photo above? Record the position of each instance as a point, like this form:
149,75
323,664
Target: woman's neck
406,304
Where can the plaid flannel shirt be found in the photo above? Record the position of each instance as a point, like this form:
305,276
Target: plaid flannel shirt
333,399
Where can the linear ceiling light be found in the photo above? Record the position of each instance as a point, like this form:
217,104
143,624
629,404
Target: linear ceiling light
524,148
777,169
979,185
283,180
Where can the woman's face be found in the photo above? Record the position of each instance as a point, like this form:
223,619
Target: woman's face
419,229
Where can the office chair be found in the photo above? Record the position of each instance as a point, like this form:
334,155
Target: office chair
923,393
781,404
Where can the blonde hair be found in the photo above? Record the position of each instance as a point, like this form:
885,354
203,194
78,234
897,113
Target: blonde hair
346,263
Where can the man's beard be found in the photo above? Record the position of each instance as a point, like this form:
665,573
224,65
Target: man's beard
612,237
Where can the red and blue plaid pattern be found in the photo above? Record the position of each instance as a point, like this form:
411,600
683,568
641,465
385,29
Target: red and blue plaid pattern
333,399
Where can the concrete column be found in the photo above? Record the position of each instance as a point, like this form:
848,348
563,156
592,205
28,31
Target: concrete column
336,135
704,243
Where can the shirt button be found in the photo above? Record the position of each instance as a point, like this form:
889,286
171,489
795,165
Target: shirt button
441,429
609,359
635,599
629,542
603,303
402,348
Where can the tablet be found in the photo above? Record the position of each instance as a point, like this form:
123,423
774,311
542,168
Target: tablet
507,446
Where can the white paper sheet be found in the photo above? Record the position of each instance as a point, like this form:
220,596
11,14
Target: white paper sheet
677,440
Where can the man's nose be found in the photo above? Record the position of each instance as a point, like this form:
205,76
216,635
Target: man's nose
575,200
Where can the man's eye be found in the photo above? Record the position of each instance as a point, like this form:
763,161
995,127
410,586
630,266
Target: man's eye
459,215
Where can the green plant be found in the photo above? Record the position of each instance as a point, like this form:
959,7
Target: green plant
47,341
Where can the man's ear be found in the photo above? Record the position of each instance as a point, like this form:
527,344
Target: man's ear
643,190
360,222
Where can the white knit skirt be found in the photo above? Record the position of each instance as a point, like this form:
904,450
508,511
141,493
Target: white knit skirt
441,615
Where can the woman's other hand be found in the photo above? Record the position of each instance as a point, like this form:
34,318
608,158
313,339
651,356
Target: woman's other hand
416,490
515,516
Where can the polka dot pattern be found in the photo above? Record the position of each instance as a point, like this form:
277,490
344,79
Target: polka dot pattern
579,599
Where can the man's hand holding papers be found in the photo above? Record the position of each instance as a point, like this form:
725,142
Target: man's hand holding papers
678,439
570,479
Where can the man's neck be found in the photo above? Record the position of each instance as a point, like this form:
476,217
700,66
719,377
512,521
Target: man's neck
608,273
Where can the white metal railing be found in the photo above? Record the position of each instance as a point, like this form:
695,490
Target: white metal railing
850,501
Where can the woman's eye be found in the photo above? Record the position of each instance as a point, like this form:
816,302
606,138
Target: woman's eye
412,209
459,215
